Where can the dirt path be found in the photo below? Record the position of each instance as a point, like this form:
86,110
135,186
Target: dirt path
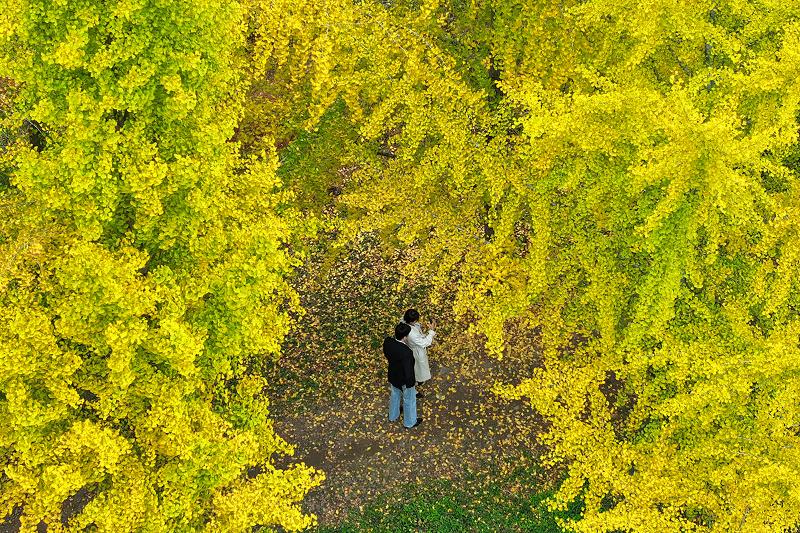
331,399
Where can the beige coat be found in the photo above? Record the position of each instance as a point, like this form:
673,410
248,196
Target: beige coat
419,345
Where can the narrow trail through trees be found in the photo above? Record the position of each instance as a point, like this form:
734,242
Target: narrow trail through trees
330,391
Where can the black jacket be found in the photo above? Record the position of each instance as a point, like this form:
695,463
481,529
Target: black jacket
401,363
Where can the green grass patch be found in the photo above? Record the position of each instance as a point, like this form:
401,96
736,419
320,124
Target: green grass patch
510,503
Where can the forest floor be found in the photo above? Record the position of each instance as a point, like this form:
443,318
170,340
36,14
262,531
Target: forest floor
330,396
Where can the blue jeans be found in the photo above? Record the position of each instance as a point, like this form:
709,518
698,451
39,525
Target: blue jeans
409,405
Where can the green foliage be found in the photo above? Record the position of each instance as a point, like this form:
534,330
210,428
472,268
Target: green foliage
316,164
143,264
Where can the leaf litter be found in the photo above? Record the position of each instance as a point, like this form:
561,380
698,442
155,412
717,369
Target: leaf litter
329,395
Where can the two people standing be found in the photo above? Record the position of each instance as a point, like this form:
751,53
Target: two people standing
406,354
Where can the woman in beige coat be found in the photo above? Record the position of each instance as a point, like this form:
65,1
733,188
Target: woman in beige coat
419,342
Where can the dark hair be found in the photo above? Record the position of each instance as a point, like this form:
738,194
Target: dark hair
401,330
410,316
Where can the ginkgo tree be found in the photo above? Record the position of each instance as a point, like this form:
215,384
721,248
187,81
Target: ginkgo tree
143,263
666,187
620,177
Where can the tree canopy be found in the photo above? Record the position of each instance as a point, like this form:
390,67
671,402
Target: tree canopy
617,178
621,179
144,264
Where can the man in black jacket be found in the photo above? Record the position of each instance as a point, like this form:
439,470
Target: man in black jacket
401,377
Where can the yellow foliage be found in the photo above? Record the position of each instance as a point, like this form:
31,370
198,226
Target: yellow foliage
143,263
623,178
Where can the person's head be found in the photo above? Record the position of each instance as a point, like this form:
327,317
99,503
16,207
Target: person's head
410,316
401,331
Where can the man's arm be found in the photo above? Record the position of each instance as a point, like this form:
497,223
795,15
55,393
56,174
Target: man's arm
386,348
